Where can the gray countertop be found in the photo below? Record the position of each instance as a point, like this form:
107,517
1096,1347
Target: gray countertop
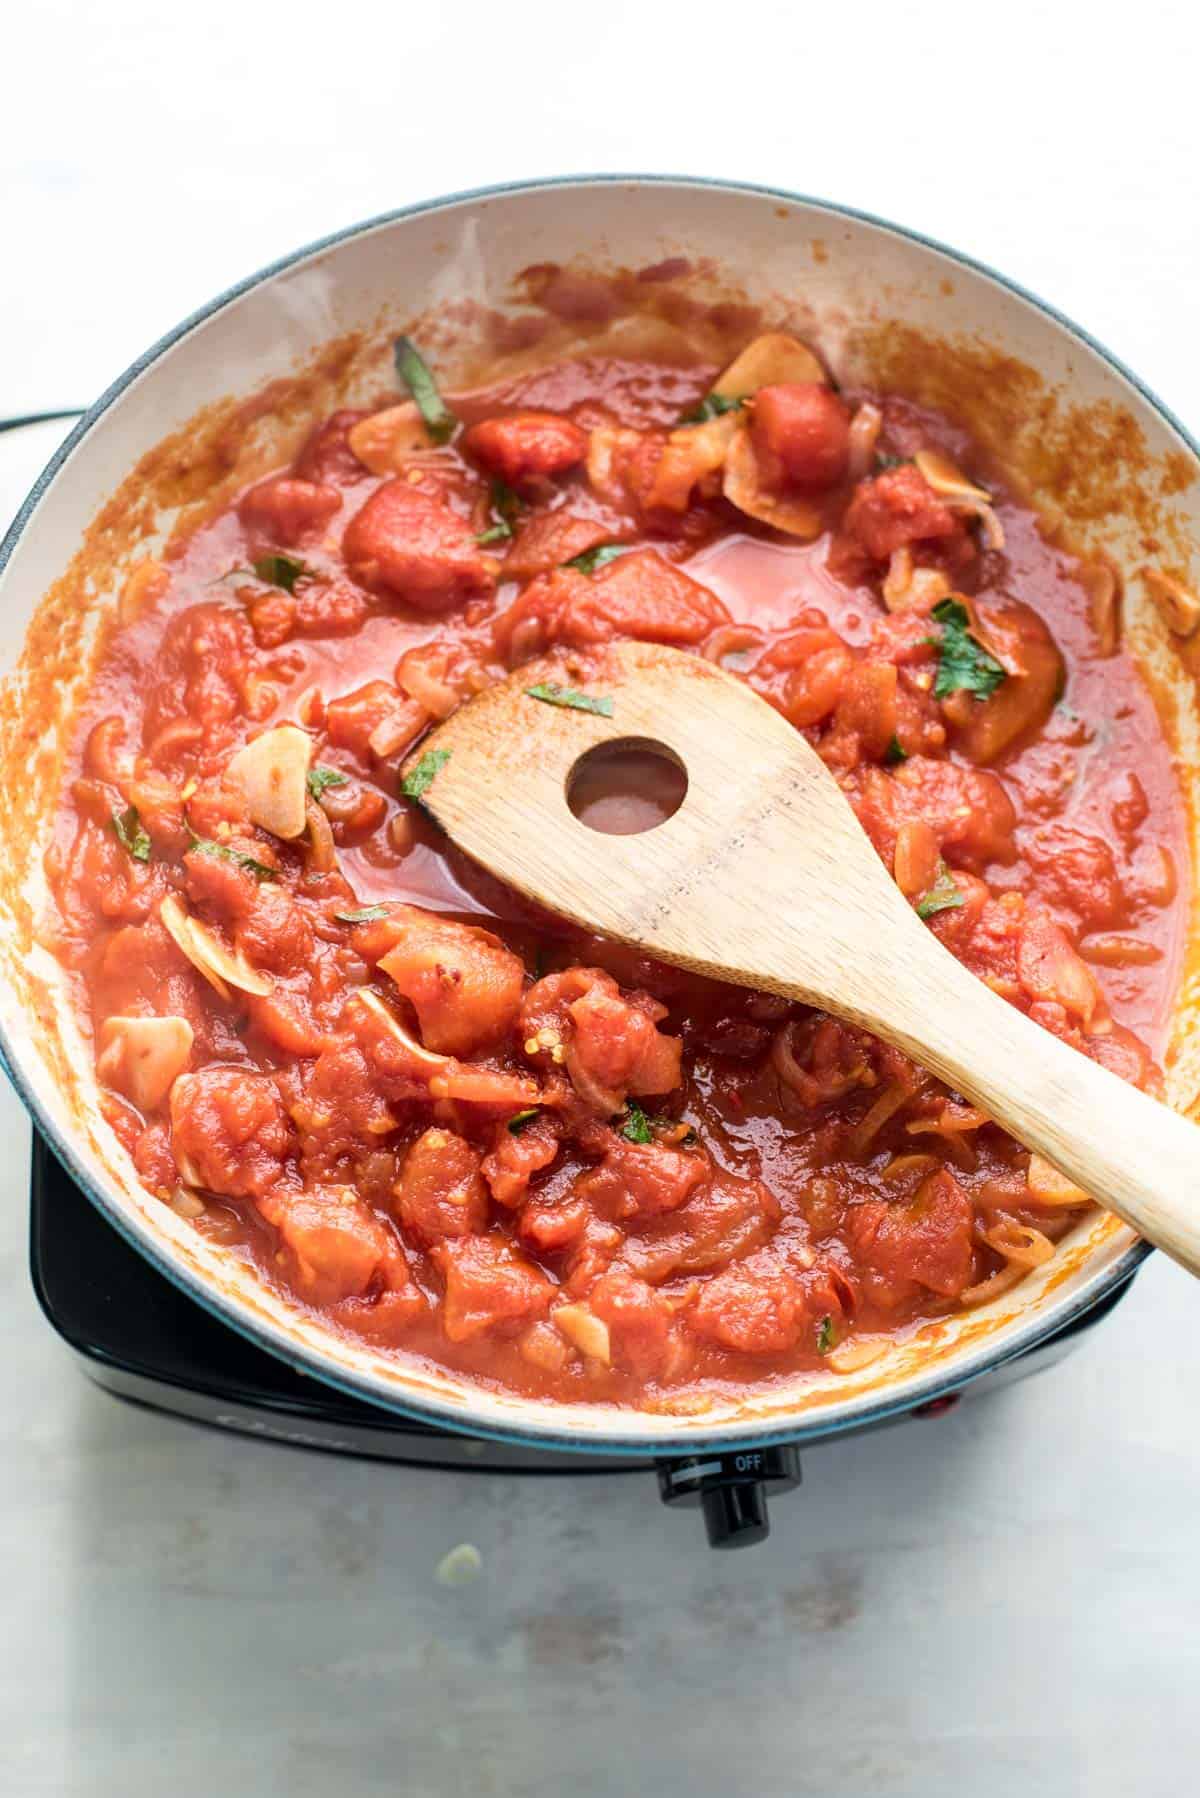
1002,1600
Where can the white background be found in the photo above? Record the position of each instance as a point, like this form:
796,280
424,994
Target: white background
1003,1601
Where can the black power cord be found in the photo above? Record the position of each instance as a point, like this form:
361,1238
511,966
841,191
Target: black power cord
40,418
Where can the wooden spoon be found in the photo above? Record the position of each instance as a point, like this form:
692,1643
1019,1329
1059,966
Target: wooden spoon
765,877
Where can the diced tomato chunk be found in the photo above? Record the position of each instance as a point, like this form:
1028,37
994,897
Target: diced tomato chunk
545,540
516,1156
229,1131
638,595
1078,871
526,446
327,456
374,719
607,1042
801,434
896,508
284,510
413,543
1026,696
925,1240
549,1223
643,1180
489,1286
1050,969
727,1218
967,809
464,985
640,1322
335,1244
759,1307
274,934
440,1191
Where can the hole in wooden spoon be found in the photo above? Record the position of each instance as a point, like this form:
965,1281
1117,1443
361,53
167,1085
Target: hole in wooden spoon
625,788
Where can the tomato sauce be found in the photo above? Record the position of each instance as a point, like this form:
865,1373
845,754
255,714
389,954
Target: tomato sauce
450,1124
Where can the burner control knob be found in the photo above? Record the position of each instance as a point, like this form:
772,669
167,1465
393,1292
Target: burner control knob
731,1489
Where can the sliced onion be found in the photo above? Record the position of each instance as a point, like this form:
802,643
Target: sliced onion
690,455
1051,1188
606,443
859,1351
187,1203
1020,1243
221,967
322,854
865,427
1103,585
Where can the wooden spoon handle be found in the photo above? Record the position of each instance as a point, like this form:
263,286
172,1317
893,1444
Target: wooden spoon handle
765,877
1133,1154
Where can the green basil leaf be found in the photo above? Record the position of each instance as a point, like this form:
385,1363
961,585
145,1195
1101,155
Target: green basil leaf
418,782
825,1336
506,509
414,371
279,571
895,752
517,1124
223,853
591,559
944,895
130,835
363,914
713,405
321,779
964,665
552,694
637,1125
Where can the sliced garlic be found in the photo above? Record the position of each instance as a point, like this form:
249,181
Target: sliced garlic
947,479
272,773
384,441
142,1057
797,517
961,495
221,967
1049,1187
1177,604
768,361
372,1003
905,586
588,1332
